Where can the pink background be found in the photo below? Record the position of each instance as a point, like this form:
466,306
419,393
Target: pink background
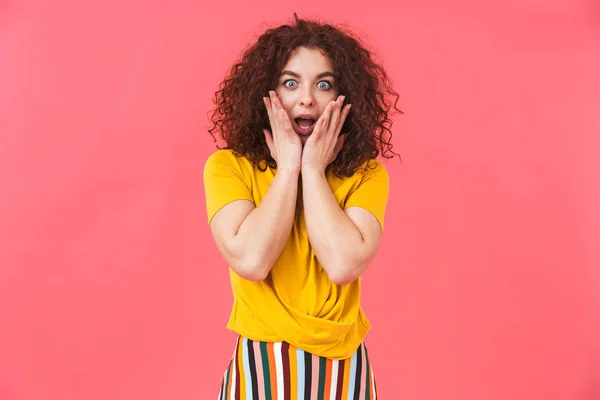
487,285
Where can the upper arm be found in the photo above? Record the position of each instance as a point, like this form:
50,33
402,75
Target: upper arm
224,183
370,231
228,200
226,223
366,206
371,195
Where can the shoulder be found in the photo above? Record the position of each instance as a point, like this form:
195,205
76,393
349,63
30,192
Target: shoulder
372,179
222,156
370,169
225,158
374,165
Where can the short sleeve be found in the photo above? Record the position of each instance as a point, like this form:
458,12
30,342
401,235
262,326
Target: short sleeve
223,182
372,192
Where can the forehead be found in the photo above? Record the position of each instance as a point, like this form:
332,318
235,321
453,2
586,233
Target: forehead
308,62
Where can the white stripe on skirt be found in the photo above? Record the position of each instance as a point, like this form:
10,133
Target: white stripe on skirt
334,375
279,369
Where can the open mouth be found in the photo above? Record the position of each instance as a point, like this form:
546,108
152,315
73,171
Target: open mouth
304,126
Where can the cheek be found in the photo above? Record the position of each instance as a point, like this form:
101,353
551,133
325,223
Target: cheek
287,100
330,95
326,99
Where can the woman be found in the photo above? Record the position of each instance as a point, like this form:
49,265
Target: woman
296,202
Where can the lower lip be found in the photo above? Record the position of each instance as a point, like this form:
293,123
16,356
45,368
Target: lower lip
301,131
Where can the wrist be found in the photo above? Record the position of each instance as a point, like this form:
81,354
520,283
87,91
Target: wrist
313,171
288,171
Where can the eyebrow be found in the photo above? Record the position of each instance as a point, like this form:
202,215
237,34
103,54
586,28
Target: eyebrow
321,75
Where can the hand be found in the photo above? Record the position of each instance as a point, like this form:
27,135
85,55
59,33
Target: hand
284,144
323,146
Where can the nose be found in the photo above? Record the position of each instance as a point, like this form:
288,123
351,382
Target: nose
306,98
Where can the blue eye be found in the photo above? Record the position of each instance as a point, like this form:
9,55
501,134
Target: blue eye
324,85
286,83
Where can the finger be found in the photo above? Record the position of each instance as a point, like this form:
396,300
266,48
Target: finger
271,114
267,102
339,144
335,112
283,120
275,100
275,97
331,116
269,140
323,122
274,111
343,116
287,125
269,111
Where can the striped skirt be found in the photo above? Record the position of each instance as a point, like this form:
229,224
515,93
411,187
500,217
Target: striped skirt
279,371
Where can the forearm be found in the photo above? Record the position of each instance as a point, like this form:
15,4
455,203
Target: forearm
265,231
334,237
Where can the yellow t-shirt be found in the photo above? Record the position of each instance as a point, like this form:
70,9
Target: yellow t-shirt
297,302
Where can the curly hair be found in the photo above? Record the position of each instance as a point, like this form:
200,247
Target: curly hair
240,115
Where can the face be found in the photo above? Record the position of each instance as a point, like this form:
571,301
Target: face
305,87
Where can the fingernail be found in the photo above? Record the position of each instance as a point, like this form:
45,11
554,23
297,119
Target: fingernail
342,98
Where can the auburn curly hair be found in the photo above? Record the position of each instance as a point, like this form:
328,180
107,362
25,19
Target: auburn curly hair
240,116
